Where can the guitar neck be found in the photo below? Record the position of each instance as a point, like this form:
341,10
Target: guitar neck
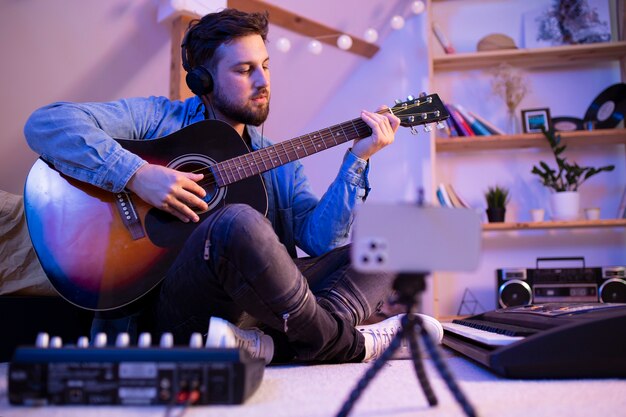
253,163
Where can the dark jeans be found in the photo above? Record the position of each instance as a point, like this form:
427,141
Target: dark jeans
234,266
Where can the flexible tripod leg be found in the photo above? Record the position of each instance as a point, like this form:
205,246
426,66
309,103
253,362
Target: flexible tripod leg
409,321
370,374
443,370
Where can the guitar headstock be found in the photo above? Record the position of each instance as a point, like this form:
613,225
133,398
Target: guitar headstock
420,111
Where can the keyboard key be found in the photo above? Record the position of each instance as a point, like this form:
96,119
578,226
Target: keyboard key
482,336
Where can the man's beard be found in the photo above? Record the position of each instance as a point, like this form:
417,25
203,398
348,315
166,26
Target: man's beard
248,115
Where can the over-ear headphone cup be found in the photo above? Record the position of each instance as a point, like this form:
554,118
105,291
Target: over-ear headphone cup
199,81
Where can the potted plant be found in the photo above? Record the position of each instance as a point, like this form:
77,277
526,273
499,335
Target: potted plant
565,179
497,197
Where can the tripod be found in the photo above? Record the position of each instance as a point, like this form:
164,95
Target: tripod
408,286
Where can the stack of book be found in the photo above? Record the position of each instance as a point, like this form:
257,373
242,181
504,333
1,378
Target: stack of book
448,197
466,123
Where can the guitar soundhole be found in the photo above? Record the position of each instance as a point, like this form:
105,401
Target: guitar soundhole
201,164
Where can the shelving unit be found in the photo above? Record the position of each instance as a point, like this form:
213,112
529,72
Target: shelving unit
529,140
554,57
497,237
578,224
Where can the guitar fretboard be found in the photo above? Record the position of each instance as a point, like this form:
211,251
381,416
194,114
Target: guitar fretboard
253,163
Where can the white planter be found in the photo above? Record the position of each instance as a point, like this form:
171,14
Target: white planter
565,205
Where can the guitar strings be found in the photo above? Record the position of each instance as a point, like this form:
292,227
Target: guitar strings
256,158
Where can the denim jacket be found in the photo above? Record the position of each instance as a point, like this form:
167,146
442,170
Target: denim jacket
76,139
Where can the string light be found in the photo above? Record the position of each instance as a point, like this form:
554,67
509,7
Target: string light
397,22
344,42
283,44
315,47
371,35
417,7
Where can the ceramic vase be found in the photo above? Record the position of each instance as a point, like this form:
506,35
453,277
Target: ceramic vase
565,205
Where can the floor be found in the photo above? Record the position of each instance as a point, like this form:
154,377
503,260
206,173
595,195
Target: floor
320,390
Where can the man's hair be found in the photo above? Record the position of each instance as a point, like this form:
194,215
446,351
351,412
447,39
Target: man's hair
204,36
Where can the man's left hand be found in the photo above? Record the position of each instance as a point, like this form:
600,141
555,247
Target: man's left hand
384,127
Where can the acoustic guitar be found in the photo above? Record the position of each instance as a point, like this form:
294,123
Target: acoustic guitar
103,250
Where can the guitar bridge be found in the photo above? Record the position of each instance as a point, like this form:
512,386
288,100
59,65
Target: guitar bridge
129,215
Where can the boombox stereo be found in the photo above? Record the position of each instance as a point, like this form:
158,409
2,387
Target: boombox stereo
520,286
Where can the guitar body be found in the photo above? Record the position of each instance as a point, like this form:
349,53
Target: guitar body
92,255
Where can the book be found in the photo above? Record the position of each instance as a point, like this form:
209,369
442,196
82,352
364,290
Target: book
453,123
440,199
451,128
441,188
489,126
461,123
443,41
474,124
453,198
454,195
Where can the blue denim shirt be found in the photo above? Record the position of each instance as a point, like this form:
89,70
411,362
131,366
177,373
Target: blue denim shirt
76,139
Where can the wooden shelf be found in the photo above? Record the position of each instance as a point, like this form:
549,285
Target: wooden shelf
529,140
575,224
553,57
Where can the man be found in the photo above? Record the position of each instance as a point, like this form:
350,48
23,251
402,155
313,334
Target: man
237,264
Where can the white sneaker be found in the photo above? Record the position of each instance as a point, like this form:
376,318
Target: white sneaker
378,336
225,334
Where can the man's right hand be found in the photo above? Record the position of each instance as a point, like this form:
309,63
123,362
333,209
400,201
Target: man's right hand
172,191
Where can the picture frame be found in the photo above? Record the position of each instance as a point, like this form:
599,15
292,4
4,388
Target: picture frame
533,120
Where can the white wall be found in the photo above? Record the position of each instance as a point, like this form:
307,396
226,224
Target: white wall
72,50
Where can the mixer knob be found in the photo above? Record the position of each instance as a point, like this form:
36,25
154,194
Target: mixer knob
195,341
122,340
82,342
167,340
101,340
56,342
145,340
43,340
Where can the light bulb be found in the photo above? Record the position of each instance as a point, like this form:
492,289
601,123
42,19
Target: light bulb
397,22
417,7
283,44
315,47
344,42
371,35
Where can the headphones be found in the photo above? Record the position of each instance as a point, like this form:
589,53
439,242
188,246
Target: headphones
199,79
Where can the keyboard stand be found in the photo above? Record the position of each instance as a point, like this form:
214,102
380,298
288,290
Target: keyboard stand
408,286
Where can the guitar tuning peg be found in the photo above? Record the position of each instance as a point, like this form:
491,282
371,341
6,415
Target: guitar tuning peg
413,130
398,101
428,128
440,125
410,98
423,94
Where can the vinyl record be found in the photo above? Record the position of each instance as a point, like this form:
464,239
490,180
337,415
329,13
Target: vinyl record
609,108
567,124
